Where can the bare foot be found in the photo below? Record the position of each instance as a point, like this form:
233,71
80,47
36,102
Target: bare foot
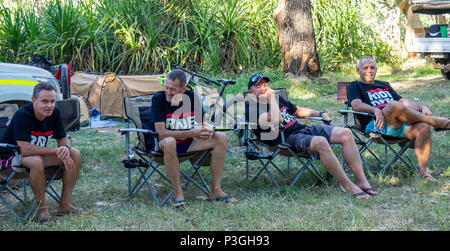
442,123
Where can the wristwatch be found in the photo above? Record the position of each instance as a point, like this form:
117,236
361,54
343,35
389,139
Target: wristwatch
320,113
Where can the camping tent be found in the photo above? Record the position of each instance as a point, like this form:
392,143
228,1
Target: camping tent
107,91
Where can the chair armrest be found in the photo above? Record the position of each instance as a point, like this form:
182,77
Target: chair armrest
124,130
324,120
154,135
9,146
355,112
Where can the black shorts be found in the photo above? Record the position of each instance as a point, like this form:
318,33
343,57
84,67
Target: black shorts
301,139
6,162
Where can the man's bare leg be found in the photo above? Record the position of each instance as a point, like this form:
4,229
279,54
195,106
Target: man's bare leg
218,143
70,177
351,155
169,147
37,182
421,135
331,164
395,113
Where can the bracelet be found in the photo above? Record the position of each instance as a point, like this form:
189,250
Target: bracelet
66,145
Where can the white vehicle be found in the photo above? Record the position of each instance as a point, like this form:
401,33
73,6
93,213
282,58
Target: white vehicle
16,87
432,41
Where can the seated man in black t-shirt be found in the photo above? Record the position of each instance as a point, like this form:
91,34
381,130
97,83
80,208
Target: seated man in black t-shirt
31,128
267,109
394,115
177,117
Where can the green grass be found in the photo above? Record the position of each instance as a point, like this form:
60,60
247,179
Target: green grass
404,202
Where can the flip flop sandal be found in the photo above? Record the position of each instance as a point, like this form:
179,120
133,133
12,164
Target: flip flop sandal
225,199
429,178
45,221
179,203
77,211
360,195
369,191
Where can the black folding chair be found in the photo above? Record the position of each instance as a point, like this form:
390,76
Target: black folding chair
137,110
19,173
254,151
365,140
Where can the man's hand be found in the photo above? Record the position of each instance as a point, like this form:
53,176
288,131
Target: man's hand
268,97
379,118
426,111
203,132
68,163
62,152
325,116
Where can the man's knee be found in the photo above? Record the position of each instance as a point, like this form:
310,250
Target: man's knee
35,162
319,144
168,145
342,134
221,138
420,130
75,153
395,104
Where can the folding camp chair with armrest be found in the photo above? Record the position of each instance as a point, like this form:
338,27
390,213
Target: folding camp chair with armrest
387,141
147,163
254,147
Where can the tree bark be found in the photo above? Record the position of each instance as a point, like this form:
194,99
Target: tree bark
296,37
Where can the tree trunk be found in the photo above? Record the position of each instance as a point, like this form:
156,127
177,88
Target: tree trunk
389,25
296,37
37,7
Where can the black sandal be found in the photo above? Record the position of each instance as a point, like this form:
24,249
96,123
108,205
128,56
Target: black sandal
370,191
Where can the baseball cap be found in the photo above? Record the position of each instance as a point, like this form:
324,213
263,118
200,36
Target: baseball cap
255,79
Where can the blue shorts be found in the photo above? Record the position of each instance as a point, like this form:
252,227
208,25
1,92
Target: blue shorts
387,130
181,147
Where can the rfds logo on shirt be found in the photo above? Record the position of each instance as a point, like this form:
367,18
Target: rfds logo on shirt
40,138
288,120
380,97
183,121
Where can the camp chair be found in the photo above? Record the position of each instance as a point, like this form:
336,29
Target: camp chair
255,150
137,110
20,173
366,140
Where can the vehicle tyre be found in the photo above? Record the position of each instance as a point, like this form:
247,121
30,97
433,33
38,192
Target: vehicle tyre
446,75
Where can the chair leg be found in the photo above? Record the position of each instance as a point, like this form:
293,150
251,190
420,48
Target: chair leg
264,168
297,177
10,209
398,155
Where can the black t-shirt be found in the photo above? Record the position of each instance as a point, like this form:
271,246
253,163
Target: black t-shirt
24,126
272,137
378,94
178,117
